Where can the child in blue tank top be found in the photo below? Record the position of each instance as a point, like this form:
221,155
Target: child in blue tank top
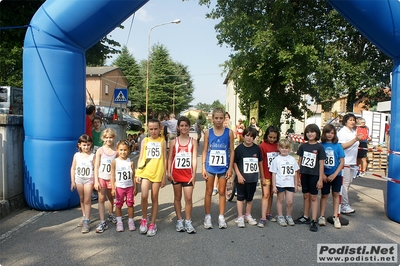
218,155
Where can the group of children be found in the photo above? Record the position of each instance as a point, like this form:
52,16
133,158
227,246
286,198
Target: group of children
113,174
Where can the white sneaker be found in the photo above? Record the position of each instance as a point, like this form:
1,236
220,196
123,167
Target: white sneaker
179,226
221,223
207,222
347,209
189,227
249,219
336,222
322,221
240,222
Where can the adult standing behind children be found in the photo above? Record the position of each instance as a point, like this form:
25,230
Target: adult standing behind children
350,140
363,147
90,112
311,160
199,129
217,160
171,125
96,134
182,164
248,166
151,174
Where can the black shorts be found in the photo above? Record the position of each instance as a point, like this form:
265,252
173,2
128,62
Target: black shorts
309,184
336,184
246,191
362,152
283,189
184,184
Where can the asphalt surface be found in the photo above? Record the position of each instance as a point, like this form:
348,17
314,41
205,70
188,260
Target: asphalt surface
30,237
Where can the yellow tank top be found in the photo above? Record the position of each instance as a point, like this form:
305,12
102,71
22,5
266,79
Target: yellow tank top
152,165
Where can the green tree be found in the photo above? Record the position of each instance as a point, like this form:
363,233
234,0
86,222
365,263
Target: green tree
165,76
204,107
283,50
132,72
216,104
19,13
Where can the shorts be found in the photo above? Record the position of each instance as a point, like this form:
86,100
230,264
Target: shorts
268,182
124,193
309,184
184,184
336,184
105,183
84,181
171,136
362,153
283,189
246,191
223,175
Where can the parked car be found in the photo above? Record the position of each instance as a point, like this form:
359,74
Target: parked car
192,129
133,123
112,114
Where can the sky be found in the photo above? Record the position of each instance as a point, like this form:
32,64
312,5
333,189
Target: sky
192,42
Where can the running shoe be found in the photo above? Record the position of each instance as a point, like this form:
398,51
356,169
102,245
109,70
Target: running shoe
111,218
336,222
85,227
143,226
189,227
249,219
80,223
322,221
221,223
271,218
215,192
208,223
131,225
152,230
101,227
282,221
240,222
314,226
262,223
346,209
179,226
120,227
302,220
289,220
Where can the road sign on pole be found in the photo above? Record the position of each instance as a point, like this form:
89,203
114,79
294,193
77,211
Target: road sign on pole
121,95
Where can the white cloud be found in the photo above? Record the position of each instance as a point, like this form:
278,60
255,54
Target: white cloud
142,15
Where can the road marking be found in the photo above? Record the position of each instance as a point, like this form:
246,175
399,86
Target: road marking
17,228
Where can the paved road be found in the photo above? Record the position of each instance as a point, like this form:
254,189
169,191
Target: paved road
30,237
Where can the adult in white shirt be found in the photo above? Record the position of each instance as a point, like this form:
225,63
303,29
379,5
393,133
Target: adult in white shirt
172,127
350,141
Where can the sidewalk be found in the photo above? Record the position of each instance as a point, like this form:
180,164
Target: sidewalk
32,237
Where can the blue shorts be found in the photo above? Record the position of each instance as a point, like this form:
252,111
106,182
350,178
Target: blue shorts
246,191
309,184
283,189
336,184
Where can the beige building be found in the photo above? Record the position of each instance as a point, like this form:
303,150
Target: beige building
100,85
232,101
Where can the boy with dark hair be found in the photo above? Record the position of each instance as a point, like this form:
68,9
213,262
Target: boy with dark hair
248,165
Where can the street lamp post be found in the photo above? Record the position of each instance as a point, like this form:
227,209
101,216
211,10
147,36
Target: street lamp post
176,21
173,96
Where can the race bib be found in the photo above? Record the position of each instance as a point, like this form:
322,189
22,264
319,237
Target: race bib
217,158
309,159
183,160
153,150
123,176
84,171
250,165
105,168
330,158
271,156
286,170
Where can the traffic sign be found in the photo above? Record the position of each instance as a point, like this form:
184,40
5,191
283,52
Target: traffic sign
121,95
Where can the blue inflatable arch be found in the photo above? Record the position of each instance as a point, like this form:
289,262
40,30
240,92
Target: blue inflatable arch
54,86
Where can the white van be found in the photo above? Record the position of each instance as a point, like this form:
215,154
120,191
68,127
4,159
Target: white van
11,100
